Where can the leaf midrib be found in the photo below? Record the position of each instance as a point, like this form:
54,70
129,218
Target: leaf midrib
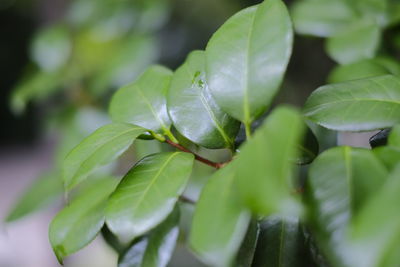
154,179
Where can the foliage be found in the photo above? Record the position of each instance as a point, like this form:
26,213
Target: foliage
260,206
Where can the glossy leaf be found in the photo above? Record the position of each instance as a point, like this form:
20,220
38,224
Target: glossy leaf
340,181
190,102
79,223
376,228
264,166
245,255
379,139
357,70
143,102
247,58
280,243
44,191
99,148
321,18
360,105
148,193
358,41
155,249
217,243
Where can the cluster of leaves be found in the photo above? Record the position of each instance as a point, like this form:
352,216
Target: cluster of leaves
255,209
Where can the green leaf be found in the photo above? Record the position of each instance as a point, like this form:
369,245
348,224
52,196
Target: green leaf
44,191
155,249
388,155
220,221
280,243
360,105
321,18
245,255
358,41
357,70
394,137
99,148
143,102
340,181
148,193
78,224
265,163
376,228
51,47
247,58
190,104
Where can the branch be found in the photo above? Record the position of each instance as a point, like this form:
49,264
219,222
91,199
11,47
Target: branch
197,157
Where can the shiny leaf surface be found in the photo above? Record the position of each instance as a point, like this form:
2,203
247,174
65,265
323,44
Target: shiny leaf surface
190,102
247,58
99,148
148,193
360,105
143,102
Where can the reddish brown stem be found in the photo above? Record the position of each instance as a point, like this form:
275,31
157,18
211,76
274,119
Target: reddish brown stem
197,157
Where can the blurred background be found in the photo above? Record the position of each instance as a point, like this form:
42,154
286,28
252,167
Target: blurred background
61,60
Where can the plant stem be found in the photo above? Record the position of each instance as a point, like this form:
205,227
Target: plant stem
169,134
247,127
197,157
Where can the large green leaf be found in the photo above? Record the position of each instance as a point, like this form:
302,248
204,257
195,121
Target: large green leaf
143,102
359,105
376,229
358,41
281,243
247,58
321,17
44,191
340,181
148,193
99,148
78,224
220,220
155,249
388,155
264,166
192,109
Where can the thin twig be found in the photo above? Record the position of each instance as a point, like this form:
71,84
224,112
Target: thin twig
197,157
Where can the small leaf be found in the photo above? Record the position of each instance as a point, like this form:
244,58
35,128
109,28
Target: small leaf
379,139
220,221
280,243
340,181
265,163
358,41
357,70
43,192
247,58
155,249
321,18
78,224
148,193
360,105
245,255
143,102
99,148
190,103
